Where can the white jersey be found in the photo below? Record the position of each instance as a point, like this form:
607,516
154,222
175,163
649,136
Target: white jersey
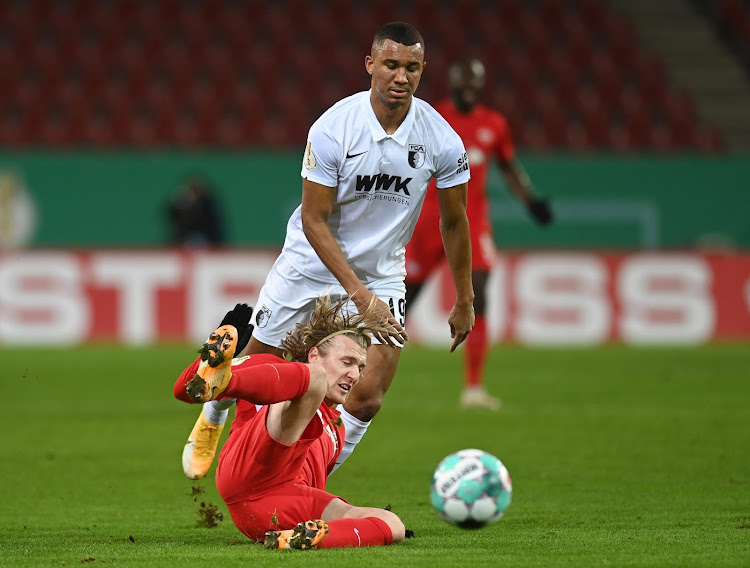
380,180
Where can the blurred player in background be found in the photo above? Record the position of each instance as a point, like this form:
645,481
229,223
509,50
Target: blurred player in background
366,168
273,469
194,215
485,134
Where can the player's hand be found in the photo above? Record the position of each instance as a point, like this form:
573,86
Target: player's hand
239,317
381,314
461,322
539,209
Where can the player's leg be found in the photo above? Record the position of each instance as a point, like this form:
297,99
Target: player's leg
474,395
366,398
256,346
476,344
339,511
341,525
424,254
213,372
203,442
413,288
273,318
200,449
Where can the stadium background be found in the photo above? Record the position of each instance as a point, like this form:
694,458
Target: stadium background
632,117
631,114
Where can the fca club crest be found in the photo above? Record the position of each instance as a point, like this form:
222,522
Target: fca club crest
416,155
262,316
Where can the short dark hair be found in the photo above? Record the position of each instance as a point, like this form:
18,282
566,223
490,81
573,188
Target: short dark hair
400,32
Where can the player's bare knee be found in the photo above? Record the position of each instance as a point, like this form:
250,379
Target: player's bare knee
397,528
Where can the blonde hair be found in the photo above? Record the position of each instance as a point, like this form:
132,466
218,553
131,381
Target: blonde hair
326,321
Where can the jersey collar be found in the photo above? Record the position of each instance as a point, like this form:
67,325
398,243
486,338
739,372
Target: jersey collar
378,132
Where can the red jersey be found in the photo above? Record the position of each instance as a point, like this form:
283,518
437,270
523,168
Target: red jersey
486,135
252,463
265,484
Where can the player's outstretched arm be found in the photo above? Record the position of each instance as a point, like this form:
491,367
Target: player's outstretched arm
317,205
519,183
454,228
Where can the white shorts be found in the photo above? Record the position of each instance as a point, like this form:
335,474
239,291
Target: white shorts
289,297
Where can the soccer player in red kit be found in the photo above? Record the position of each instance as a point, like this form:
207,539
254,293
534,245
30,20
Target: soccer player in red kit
485,135
273,468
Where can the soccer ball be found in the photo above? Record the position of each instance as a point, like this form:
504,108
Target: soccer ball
471,489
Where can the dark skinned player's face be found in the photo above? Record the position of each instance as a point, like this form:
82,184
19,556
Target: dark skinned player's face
396,70
466,88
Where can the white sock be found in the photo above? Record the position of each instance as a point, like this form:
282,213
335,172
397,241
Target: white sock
217,411
354,429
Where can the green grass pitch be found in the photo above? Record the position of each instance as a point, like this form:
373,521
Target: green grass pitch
619,457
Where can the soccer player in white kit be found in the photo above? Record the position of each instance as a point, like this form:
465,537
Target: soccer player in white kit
366,168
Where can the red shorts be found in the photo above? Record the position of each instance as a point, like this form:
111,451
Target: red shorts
425,254
280,509
260,480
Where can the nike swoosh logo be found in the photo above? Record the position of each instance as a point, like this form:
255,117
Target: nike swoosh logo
355,155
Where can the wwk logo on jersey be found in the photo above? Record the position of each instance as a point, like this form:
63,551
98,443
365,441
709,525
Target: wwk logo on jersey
383,187
383,182
416,155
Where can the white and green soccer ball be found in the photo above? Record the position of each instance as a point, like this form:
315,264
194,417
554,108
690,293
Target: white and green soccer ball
471,489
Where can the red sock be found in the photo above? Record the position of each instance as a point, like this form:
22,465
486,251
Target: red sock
475,354
182,381
370,531
266,383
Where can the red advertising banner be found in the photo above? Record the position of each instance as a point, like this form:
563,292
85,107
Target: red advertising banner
576,298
